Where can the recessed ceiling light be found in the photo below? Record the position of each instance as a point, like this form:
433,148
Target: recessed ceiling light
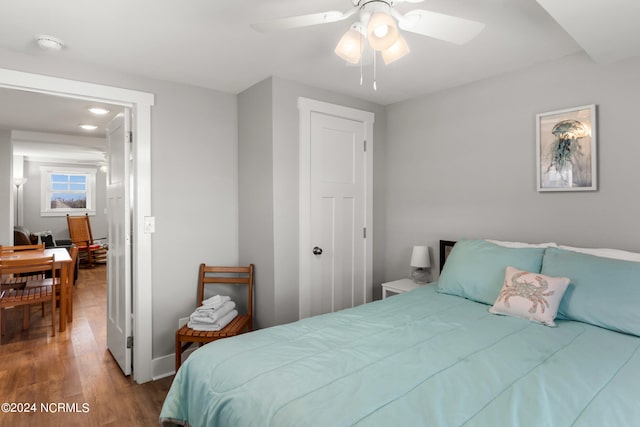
89,127
49,42
98,111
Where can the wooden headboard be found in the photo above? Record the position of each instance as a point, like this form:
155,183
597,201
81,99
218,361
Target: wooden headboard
445,250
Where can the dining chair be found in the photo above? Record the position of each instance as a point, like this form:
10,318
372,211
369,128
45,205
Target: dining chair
18,280
81,236
28,295
209,275
38,247
55,283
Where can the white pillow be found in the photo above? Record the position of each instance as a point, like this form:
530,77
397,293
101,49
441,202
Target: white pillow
530,296
522,245
605,253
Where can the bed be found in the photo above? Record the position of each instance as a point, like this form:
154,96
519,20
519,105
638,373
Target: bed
437,356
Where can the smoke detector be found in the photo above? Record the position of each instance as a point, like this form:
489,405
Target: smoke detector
49,43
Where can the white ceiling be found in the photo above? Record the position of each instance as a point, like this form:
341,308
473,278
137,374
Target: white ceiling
607,30
46,127
210,43
27,111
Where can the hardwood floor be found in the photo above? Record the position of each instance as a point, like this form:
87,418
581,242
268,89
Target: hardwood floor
71,379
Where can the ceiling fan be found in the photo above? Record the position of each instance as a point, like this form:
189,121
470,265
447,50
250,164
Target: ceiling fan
378,24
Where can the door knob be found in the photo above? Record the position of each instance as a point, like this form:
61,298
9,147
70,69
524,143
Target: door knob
317,251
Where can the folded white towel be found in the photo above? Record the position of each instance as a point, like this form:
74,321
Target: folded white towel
214,326
209,315
215,301
214,309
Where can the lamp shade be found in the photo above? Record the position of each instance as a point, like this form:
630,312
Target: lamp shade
382,31
350,46
420,257
18,181
399,49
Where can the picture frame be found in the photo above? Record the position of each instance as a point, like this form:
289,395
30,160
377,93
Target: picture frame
566,150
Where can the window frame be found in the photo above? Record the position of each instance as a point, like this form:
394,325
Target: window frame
46,173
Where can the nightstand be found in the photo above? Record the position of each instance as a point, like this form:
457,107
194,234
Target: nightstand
398,287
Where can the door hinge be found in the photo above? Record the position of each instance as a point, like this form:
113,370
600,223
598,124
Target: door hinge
129,342
365,145
364,233
130,136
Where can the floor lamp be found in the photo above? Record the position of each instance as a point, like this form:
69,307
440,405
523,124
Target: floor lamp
19,183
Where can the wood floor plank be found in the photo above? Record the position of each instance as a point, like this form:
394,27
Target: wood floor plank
72,378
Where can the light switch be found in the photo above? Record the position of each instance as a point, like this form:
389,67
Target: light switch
149,224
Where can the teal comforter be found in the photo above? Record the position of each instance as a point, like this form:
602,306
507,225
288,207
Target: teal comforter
415,359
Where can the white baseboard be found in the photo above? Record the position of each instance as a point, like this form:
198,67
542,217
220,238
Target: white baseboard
165,366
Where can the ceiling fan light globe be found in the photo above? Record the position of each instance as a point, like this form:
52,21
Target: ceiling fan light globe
382,31
399,49
350,46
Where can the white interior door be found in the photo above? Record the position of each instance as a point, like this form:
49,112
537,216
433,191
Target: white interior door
119,253
335,207
337,213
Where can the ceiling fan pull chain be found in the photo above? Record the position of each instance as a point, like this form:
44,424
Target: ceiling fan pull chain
375,78
361,79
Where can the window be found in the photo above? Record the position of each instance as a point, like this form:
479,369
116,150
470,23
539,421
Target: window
67,190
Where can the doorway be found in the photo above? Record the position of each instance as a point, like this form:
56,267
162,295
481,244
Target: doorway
336,188
140,104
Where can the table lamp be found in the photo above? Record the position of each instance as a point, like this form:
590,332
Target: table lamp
420,263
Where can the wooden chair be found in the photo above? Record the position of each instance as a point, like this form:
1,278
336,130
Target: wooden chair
80,235
28,295
186,336
39,247
55,283
18,281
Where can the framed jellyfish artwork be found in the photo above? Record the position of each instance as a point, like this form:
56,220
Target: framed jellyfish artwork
566,153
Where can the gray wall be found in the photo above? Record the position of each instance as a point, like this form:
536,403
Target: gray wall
193,178
461,163
268,146
7,189
58,224
255,185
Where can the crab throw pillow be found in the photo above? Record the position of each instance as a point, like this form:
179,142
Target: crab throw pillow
531,296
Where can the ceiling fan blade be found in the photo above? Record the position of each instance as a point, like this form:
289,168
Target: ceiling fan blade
439,26
302,20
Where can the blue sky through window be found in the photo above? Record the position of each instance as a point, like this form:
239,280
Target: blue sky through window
68,191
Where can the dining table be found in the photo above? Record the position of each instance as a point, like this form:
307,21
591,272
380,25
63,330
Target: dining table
62,260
